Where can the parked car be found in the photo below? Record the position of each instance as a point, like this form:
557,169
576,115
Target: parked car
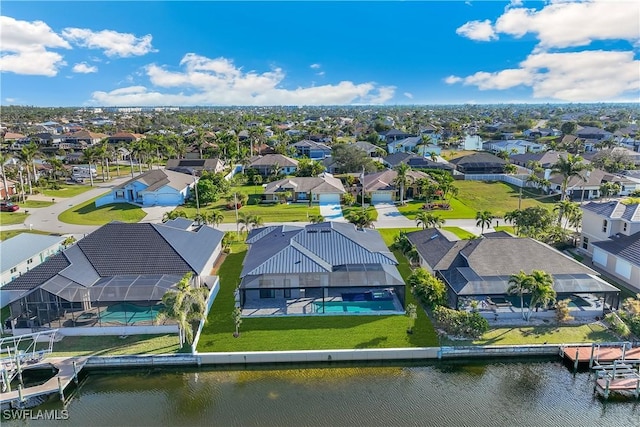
8,207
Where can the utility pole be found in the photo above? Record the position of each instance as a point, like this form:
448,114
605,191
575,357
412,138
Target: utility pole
362,183
195,186
520,199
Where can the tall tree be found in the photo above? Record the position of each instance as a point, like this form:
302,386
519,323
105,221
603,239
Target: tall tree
90,155
428,219
568,167
484,219
520,284
186,305
4,158
541,289
402,179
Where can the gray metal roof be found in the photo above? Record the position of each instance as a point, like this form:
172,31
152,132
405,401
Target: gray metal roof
20,248
194,247
615,209
314,248
316,185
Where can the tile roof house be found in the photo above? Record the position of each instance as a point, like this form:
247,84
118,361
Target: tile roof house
415,161
124,137
24,252
381,187
323,189
311,149
118,264
314,263
189,165
479,163
267,164
156,187
606,228
480,268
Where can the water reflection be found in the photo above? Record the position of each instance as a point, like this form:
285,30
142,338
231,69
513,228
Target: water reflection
452,394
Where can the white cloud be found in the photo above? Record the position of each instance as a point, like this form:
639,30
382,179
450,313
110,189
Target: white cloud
321,74
478,30
10,100
570,76
408,95
453,79
218,81
562,24
113,43
552,70
315,66
24,47
84,68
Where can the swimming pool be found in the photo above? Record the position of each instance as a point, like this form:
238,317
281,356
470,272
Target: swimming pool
370,307
129,314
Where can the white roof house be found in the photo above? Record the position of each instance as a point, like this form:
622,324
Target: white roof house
23,252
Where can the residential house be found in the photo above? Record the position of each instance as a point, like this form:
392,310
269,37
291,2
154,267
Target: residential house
83,139
514,146
587,185
323,189
311,149
156,187
11,139
479,163
115,276
269,163
541,132
472,143
404,144
394,135
477,272
124,138
381,186
611,235
188,166
301,270
12,188
25,251
590,132
545,159
372,150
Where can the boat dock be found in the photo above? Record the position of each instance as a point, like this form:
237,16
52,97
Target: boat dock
68,369
617,366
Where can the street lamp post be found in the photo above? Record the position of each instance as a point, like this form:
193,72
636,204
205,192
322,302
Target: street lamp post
195,186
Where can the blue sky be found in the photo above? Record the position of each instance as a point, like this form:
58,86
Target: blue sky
318,53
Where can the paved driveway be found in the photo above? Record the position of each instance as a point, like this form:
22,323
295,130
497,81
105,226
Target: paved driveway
390,217
332,212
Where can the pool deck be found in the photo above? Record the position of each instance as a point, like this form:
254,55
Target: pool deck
305,306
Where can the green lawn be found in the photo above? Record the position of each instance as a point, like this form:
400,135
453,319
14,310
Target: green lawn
305,333
498,197
459,210
549,334
269,212
87,213
35,204
358,208
8,218
7,234
66,190
507,228
460,232
114,345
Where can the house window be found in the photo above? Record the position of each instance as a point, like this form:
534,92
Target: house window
604,225
30,261
14,269
287,293
267,293
624,227
585,242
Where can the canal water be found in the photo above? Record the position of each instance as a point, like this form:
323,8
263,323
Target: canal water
445,394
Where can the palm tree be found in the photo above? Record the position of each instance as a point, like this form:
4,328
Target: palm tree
176,213
428,219
244,220
402,179
4,158
519,284
513,217
316,219
541,289
90,155
186,304
256,221
26,156
565,209
216,217
361,219
568,167
483,219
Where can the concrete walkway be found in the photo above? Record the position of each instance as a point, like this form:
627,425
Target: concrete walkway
332,212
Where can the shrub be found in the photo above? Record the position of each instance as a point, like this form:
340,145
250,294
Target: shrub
429,289
460,323
617,325
562,311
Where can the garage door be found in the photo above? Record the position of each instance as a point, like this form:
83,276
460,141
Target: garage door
329,198
381,197
168,199
599,256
